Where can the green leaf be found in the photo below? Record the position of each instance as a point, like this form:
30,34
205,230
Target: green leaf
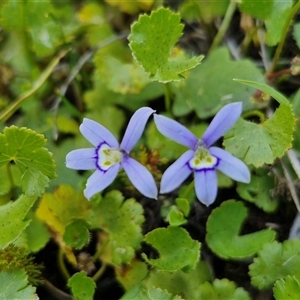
274,24
152,40
205,10
183,205
258,191
12,219
179,282
257,9
222,290
177,250
275,261
37,18
259,144
14,285
25,148
131,274
286,289
175,217
210,86
82,286
153,293
223,232
122,221
58,209
296,34
36,234
265,88
77,234
121,77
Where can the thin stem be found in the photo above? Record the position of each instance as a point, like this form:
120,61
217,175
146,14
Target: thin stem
167,93
9,110
291,186
62,266
67,103
55,292
255,113
100,272
188,190
224,26
283,36
294,160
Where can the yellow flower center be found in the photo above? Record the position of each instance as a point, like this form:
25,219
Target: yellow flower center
108,157
203,159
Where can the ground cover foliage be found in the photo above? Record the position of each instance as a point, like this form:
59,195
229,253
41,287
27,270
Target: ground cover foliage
64,63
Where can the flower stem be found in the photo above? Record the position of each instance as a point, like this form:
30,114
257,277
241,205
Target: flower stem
100,272
283,36
255,113
224,26
62,266
187,190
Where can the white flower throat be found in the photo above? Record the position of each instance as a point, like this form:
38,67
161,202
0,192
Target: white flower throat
202,158
108,157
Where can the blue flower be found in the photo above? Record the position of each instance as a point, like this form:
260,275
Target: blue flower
108,157
202,158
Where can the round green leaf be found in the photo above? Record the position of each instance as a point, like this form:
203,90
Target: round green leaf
286,289
175,217
25,148
259,144
275,261
177,250
82,286
152,40
14,285
222,290
77,234
223,228
258,191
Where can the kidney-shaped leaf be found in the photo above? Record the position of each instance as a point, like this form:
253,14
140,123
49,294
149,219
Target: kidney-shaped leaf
177,250
223,232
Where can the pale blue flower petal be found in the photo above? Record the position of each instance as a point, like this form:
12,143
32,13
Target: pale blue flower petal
99,180
81,159
175,131
177,173
95,133
222,122
230,165
206,186
140,177
135,128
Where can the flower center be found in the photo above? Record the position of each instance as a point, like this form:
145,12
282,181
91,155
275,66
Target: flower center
203,159
108,157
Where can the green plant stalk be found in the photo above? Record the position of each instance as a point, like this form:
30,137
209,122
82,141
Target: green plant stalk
255,113
100,272
187,190
73,110
9,110
224,26
62,266
283,37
